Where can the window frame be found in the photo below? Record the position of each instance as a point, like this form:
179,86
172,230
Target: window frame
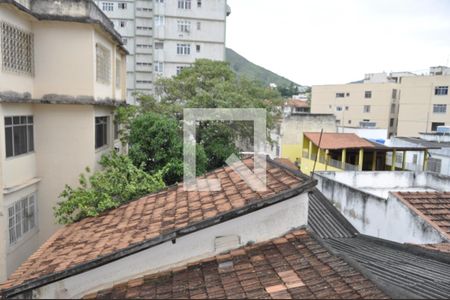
23,62
183,49
367,94
439,108
184,4
102,121
366,109
441,90
107,6
29,134
18,212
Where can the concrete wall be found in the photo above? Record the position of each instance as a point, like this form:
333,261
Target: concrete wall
416,104
364,199
366,133
259,226
324,100
293,127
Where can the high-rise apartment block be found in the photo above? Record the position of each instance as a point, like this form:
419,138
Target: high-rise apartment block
165,36
404,103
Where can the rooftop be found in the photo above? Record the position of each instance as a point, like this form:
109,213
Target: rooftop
335,141
402,270
293,266
297,103
151,220
434,207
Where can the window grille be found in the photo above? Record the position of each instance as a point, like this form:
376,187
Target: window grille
16,49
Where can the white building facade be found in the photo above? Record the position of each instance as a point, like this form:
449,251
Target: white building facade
165,36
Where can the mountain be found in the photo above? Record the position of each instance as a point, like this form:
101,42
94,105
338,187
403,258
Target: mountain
243,67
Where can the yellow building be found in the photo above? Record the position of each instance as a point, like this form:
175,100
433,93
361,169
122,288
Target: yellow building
62,72
348,152
424,105
295,124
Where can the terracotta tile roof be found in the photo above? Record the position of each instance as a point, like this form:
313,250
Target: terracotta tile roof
297,103
433,207
338,140
293,266
442,247
147,219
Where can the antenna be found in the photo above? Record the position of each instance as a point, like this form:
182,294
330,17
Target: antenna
317,156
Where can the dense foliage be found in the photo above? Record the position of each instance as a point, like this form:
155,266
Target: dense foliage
156,142
119,182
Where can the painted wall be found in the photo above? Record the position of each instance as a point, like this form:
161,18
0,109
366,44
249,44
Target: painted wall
259,226
324,100
364,198
416,104
293,127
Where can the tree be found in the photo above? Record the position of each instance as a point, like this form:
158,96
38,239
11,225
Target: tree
212,84
156,143
119,182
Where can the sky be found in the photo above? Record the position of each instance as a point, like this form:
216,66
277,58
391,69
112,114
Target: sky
315,42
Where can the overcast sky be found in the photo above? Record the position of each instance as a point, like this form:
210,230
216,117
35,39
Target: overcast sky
338,41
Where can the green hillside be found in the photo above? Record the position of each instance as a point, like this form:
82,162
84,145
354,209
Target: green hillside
243,67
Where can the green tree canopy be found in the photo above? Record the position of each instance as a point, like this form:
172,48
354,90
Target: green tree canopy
156,143
119,182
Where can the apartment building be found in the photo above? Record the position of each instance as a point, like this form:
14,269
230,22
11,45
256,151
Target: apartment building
425,103
165,36
372,103
62,72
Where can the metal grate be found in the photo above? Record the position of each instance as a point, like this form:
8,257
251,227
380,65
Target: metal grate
103,64
16,49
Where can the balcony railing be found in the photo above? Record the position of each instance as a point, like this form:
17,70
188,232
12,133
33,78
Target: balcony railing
331,162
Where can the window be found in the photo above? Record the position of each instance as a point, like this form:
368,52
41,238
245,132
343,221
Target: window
184,26
439,108
159,67
368,94
146,9
116,129
349,121
118,71
338,108
22,218
199,3
143,46
348,94
19,135
415,157
122,24
435,125
394,94
198,48
346,108
107,6
143,28
125,41
143,64
101,132
103,64
393,108
159,45
179,69
159,20
366,109
184,49
340,95
122,5
441,90
16,49
434,165
143,81
184,4
391,122
199,25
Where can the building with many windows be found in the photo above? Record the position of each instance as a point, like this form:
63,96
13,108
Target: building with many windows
425,104
403,103
62,72
372,103
165,36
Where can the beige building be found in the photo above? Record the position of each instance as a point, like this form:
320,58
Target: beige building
62,72
372,103
424,104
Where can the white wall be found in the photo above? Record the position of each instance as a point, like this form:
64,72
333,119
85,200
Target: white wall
364,199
